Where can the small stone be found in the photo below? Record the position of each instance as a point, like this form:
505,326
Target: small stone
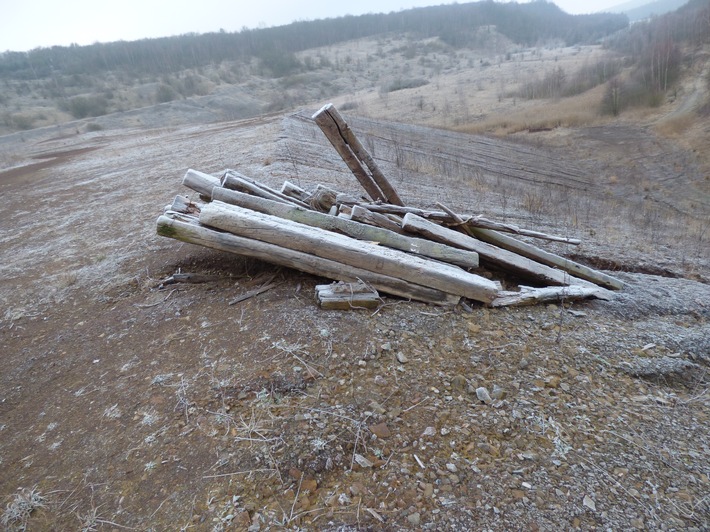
452,468
638,524
414,519
381,430
589,503
552,382
429,431
386,346
401,358
458,382
362,461
498,393
523,363
427,488
483,395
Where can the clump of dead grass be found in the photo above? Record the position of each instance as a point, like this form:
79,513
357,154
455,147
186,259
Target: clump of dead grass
20,508
673,127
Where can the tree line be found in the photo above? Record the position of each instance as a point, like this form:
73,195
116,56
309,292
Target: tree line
456,25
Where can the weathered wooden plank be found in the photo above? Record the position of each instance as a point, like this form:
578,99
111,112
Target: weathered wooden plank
333,134
360,214
532,296
347,296
200,182
347,250
194,233
347,134
294,191
236,181
545,257
490,254
419,246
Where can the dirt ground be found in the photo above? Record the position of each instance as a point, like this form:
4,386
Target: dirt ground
125,404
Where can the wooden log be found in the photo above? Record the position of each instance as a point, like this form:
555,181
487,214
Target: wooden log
361,154
484,223
490,254
347,250
341,224
360,214
446,217
532,296
347,296
322,199
550,259
184,205
236,181
195,233
200,182
294,191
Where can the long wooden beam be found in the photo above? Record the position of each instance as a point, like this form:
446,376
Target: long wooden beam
340,248
194,233
491,254
355,155
419,246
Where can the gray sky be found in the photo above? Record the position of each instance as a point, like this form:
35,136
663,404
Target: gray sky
28,24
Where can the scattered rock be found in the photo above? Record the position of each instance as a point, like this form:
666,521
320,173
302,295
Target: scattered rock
483,395
589,503
414,519
401,358
663,369
381,430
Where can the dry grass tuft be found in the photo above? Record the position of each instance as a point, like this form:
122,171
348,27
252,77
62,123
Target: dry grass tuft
20,508
673,127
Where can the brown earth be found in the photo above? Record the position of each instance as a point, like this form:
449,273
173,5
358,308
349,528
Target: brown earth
127,405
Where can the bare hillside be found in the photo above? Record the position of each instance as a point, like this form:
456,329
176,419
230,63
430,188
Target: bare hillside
124,405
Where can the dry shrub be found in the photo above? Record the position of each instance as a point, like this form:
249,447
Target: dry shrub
675,126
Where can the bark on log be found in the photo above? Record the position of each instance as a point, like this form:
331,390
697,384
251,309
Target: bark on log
419,246
341,248
532,296
550,259
355,155
491,254
200,182
194,233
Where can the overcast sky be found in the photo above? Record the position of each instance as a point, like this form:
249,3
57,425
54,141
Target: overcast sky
28,24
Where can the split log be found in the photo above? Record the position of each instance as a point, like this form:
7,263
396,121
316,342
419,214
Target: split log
236,181
490,254
200,182
419,246
294,191
355,155
532,296
194,233
347,296
550,259
346,250
184,205
322,199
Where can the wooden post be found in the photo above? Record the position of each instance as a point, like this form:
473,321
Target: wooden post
354,154
346,250
200,182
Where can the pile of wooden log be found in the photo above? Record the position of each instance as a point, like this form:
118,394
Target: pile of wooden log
378,243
